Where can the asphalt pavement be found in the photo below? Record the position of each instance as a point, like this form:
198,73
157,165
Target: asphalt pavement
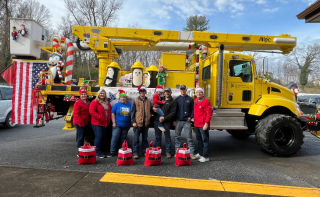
235,160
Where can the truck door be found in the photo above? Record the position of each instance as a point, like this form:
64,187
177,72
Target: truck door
240,83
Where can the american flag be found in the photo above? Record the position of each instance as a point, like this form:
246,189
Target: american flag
24,81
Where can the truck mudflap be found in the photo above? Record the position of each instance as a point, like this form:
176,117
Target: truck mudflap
314,129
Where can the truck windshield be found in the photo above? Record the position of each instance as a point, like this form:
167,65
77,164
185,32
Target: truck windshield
241,69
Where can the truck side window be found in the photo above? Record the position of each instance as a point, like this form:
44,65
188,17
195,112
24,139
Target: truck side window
206,73
241,69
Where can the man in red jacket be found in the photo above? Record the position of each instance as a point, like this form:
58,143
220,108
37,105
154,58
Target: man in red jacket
202,117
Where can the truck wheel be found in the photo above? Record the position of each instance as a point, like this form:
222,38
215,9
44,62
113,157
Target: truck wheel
239,134
279,135
8,123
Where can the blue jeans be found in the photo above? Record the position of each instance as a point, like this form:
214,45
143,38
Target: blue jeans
98,133
203,141
160,113
80,135
159,136
186,126
137,131
119,135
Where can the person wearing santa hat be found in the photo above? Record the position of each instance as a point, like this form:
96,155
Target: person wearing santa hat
156,104
81,116
121,122
140,118
202,118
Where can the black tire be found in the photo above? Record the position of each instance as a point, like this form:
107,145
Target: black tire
239,134
279,135
8,123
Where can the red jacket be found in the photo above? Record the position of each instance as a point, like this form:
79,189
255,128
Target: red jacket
98,115
156,100
81,115
202,112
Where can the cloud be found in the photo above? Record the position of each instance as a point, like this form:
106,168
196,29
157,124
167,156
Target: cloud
261,2
309,1
162,12
237,15
271,10
283,1
229,5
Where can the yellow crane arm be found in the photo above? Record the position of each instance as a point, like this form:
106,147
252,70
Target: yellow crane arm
97,38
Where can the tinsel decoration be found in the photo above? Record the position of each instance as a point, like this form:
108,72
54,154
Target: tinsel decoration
311,120
187,61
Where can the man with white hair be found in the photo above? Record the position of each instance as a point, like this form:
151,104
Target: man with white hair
202,117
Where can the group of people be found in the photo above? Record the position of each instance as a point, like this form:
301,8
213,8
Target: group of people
169,112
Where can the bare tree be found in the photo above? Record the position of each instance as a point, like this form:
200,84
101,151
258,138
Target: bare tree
94,12
306,59
7,9
18,9
34,10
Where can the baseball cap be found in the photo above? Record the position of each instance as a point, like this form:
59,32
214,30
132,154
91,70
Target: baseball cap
167,90
183,87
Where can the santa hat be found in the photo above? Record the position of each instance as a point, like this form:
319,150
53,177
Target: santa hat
122,93
82,90
141,88
159,89
200,89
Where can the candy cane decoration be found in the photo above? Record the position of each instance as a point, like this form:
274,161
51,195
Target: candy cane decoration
70,53
56,43
59,66
69,65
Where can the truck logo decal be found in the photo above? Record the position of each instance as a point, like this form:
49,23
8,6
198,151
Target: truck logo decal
264,39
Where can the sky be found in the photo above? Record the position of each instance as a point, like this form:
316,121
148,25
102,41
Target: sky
262,17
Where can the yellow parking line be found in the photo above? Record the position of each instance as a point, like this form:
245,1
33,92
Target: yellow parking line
263,189
162,181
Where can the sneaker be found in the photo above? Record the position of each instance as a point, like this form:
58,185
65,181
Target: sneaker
135,157
145,154
193,157
202,159
77,155
101,156
197,156
162,129
168,155
175,155
111,155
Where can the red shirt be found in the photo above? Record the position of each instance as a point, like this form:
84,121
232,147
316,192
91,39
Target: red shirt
98,114
81,115
156,100
202,112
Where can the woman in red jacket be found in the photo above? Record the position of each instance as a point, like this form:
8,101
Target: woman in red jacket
81,116
202,117
100,110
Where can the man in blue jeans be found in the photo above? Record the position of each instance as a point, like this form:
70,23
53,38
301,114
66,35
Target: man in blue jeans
169,109
185,105
140,118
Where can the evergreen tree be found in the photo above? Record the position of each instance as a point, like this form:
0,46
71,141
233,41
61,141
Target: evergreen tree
197,23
